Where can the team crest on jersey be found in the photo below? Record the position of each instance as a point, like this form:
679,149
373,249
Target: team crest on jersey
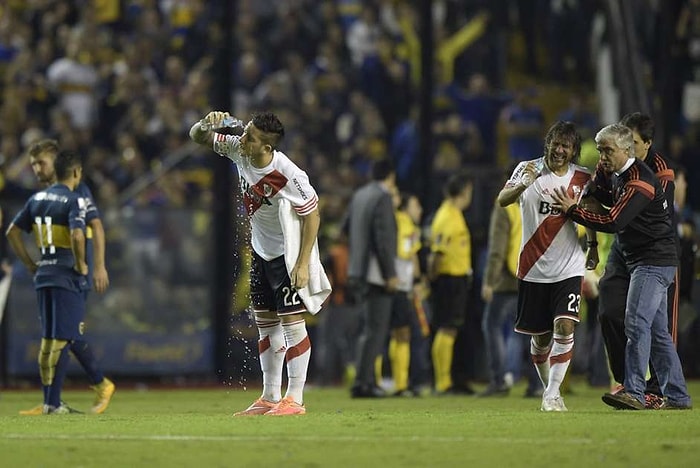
267,190
254,196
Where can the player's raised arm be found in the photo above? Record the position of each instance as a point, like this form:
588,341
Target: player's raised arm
523,176
202,132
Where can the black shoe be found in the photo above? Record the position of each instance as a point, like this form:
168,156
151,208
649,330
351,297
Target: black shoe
455,391
367,391
494,391
462,389
623,400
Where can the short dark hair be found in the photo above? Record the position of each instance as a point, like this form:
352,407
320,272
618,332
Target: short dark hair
382,169
643,124
271,127
45,144
457,183
405,197
65,162
566,130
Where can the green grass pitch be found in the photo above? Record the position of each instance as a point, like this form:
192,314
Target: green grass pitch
173,428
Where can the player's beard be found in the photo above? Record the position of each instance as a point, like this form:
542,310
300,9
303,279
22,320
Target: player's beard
44,180
555,161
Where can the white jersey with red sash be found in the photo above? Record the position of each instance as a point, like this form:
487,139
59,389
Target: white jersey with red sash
262,190
550,250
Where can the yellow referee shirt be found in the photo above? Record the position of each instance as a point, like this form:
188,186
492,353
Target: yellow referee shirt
450,237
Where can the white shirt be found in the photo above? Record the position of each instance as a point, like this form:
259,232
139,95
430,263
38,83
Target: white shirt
550,250
76,83
263,188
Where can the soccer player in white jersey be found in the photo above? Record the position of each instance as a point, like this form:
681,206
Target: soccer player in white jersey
551,262
266,177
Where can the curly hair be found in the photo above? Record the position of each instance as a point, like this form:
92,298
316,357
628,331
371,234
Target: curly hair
567,131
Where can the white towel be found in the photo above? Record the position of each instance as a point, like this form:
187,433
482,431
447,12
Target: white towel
4,290
319,287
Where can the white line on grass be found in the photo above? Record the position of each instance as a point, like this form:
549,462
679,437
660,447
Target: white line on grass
317,438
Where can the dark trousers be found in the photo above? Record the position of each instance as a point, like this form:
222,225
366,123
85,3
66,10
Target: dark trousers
377,317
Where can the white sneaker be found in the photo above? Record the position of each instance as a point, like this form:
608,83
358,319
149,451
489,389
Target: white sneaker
509,379
553,404
63,409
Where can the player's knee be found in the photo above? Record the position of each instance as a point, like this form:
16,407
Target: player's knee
267,315
542,341
292,318
564,327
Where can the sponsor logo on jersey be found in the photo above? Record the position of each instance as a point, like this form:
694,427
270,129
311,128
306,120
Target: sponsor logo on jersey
546,209
298,186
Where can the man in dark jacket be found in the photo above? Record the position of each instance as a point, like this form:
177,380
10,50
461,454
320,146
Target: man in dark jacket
640,217
372,280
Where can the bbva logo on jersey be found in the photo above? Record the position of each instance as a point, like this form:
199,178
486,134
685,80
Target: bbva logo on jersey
546,208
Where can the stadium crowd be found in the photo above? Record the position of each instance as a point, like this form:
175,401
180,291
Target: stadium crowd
121,81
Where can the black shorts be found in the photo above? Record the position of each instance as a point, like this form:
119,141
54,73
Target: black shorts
402,310
449,297
271,289
540,304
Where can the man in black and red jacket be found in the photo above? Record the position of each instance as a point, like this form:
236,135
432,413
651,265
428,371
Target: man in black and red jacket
615,281
641,218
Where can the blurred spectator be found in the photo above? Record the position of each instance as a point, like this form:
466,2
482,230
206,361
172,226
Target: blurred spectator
688,31
580,113
569,27
524,124
385,79
480,104
363,35
74,79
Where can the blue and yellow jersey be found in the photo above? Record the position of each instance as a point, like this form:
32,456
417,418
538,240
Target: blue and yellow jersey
450,237
51,215
91,212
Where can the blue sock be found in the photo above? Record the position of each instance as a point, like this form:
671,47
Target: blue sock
83,353
54,390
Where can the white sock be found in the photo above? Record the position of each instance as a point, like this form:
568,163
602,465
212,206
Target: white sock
540,359
559,359
298,354
271,350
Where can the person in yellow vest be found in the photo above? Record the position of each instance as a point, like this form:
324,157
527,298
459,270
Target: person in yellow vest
450,272
499,292
408,271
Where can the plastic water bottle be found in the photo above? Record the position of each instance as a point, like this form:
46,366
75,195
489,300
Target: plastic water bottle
227,122
539,165
231,122
528,180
